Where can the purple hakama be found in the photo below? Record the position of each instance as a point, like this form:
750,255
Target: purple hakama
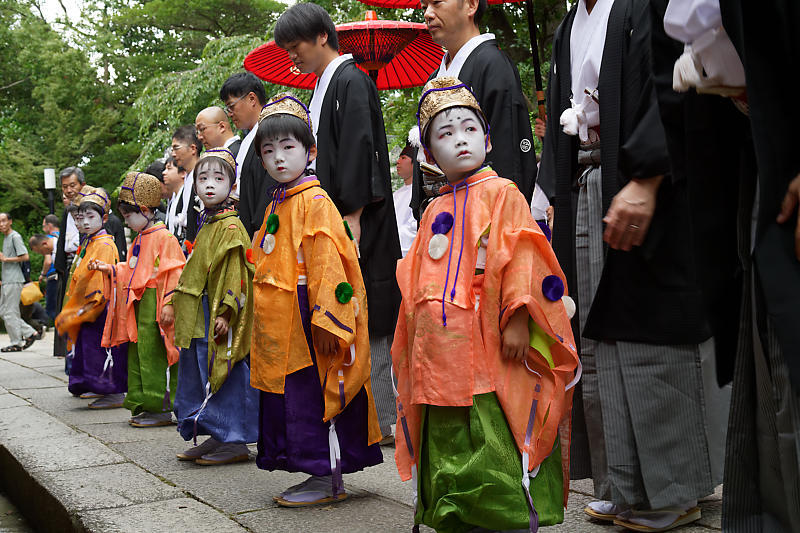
292,435
92,370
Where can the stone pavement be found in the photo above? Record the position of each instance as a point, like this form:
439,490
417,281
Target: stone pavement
71,469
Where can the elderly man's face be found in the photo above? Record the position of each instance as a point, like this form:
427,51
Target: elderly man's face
71,186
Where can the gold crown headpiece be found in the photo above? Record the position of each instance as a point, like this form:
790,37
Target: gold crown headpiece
443,93
221,153
288,104
93,195
141,190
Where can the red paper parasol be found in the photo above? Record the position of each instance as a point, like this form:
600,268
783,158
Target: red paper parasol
397,55
537,69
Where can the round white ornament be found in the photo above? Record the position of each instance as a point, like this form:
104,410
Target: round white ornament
269,243
438,246
569,305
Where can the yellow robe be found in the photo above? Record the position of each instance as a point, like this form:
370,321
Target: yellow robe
308,217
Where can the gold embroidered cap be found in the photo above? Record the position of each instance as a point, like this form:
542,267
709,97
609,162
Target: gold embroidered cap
288,104
94,195
141,190
222,153
443,93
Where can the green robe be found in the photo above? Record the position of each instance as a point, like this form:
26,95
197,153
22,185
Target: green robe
219,266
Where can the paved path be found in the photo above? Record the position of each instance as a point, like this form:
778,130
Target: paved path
72,469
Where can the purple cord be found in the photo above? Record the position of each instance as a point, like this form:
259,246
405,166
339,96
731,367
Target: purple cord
450,251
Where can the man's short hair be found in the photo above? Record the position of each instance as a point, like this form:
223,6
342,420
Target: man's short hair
171,161
482,5
243,83
37,240
305,22
69,171
156,168
188,135
52,219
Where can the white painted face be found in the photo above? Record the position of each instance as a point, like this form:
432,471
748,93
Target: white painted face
457,142
88,221
211,182
136,221
284,157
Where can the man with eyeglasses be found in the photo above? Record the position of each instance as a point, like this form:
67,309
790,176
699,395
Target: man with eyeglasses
186,150
214,130
244,96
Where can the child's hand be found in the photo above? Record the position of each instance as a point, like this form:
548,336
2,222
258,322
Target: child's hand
325,342
94,264
167,315
516,339
220,328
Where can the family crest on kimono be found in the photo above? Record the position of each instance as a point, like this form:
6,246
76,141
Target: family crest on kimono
213,300
483,351
140,290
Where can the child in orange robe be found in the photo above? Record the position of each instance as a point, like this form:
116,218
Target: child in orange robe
483,351
139,314
310,345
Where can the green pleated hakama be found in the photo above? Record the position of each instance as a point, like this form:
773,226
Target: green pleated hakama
147,363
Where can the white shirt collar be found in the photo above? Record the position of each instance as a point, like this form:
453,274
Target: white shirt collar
461,57
244,148
188,183
322,87
230,141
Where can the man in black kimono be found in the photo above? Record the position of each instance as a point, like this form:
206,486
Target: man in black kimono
475,59
353,167
243,95
621,238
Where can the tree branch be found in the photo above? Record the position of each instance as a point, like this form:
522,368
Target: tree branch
10,85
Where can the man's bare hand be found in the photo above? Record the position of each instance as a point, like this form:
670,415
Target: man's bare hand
790,204
630,214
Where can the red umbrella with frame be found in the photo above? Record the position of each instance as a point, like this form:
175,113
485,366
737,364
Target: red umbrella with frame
537,68
396,55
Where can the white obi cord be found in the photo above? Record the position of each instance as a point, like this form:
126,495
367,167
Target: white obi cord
709,61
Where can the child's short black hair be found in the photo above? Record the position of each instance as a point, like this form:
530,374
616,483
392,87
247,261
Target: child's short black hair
243,83
126,208
305,22
91,206
281,125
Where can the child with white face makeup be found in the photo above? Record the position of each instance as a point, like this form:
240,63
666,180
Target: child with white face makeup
139,314
214,304
82,318
310,344
483,351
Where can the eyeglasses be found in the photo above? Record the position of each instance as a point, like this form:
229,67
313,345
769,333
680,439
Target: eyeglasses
229,107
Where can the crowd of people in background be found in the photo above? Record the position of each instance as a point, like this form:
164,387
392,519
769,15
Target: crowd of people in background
640,284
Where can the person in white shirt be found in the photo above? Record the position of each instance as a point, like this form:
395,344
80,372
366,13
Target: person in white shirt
174,175
406,223
186,150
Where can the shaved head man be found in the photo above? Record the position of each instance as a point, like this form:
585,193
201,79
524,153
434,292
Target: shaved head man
214,130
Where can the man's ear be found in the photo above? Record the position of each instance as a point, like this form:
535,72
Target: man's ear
471,9
322,39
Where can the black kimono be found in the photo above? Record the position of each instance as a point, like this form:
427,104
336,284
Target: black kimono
649,294
254,183
353,167
495,81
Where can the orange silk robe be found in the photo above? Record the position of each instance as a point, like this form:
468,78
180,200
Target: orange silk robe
447,366
159,266
308,216
86,296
